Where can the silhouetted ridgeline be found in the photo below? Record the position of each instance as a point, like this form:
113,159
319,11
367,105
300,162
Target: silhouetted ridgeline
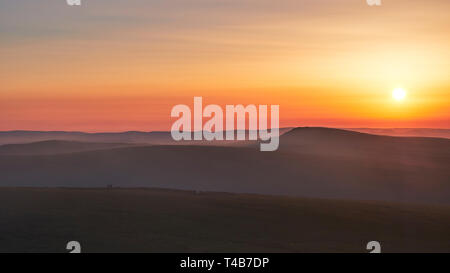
14,137
19,137
410,132
56,147
311,162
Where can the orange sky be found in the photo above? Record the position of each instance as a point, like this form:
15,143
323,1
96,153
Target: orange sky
122,65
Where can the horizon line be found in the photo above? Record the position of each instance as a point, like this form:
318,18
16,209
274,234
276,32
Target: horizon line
168,131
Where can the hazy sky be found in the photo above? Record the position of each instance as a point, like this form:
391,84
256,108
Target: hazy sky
113,65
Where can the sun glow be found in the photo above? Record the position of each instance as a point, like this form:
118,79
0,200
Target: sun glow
399,94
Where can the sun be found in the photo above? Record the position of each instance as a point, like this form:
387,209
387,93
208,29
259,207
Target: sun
399,94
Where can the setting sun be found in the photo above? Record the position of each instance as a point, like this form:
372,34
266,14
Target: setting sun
399,94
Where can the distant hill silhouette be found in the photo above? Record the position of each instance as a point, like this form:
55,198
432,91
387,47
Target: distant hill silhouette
409,132
345,144
311,162
155,138
55,147
15,137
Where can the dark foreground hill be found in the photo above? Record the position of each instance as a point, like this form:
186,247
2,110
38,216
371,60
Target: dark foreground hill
311,162
143,220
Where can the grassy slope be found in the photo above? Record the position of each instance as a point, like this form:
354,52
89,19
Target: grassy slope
144,220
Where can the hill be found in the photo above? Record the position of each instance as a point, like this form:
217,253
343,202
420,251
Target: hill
19,137
349,144
154,138
151,220
311,162
406,132
55,147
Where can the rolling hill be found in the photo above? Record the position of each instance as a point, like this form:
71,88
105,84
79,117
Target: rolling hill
55,147
406,132
19,137
154,220
311,162
135,137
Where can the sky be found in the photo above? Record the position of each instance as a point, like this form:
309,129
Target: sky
119,65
